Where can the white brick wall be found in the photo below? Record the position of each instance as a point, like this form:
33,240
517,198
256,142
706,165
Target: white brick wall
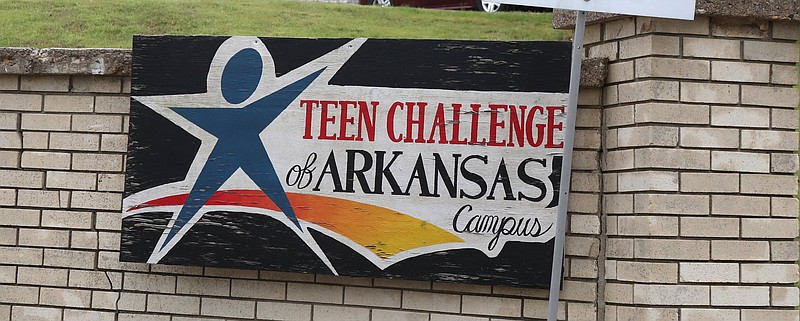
700,162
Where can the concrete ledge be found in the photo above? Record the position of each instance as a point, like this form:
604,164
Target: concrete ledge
57,61
764,9
117,62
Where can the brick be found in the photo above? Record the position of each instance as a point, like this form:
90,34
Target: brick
8,197
709,182
41,198
646,314
670,294
20,217
740,205
109,241
671,204
145,317
647,272
619,72
9,82
228,308
621,28
740,71
493,306
740,250
672,158
97,162
286,276
24,179
44,83
431,301
96,84
10,140
108,221
671,113
648,90
709,137
538,309
71,180
579,268
785,30
127,301
619,116
784,75
740,162
20,102
86,315
455,317
584,224
769,140
784,207
110,261
231,273
95,279
740,117
611,95
9,158
256,289
149,283
709,272
711,48
97,123
67,219
607,50
43,238
96,200
86,240
9,121
42,276
585,160
671,249
35,313
618,160
769,273
335,313
50,122
769,184
283,311
74,142
649,45
619,248
674,68
585,182
647,136
203,286
35,140
771,51
709,227
46,160
785,118
173,304
587,139
8,236
114,143
68,104
709,93
785,296
314,293
739,28
647,225
709,314
69,258
19,294
700,26
66,297
126,85
769,228
760,315
372,297
740,295
112,104
393,315
769,96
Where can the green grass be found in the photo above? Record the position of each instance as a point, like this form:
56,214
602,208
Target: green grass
111,23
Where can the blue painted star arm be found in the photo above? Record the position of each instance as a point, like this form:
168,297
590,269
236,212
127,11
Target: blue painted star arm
264,175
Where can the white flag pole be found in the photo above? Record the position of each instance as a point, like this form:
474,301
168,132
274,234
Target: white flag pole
566,166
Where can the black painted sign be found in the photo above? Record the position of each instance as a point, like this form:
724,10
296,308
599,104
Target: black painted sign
415,159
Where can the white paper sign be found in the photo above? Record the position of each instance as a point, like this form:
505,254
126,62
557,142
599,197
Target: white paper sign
673,9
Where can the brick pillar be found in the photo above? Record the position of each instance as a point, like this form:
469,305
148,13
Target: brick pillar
699,168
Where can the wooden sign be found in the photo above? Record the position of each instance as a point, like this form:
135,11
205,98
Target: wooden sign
415,159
